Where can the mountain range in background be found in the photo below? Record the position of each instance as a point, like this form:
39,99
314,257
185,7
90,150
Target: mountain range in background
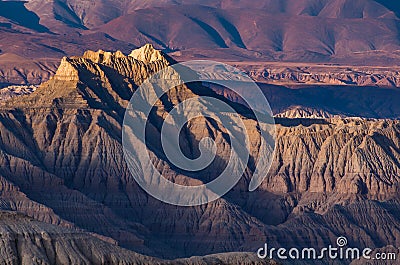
361,32
289,30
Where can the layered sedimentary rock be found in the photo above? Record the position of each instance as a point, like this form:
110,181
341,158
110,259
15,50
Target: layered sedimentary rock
61,156
343,155
324,101
27,241
15,91
323,74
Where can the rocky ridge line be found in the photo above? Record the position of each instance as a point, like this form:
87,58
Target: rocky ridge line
69,158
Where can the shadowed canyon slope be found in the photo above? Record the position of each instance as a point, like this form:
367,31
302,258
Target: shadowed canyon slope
62,164
26,241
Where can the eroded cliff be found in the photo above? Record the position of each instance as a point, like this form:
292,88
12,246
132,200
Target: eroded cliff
61,156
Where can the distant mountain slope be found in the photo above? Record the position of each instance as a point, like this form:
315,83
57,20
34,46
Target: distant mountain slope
349,32
280,36
306,30
87,14
18,13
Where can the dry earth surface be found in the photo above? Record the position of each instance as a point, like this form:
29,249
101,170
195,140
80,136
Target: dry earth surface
328,68
62,164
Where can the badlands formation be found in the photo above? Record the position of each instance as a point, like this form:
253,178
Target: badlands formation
63,172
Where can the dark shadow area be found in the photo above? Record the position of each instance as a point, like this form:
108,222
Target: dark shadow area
299,121
359,101
231,29
352,101
391,5
53,49
216,37
65,14
5,25
3,85
17,12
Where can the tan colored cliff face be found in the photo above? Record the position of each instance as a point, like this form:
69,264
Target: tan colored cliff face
148,54
60,147
342,155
